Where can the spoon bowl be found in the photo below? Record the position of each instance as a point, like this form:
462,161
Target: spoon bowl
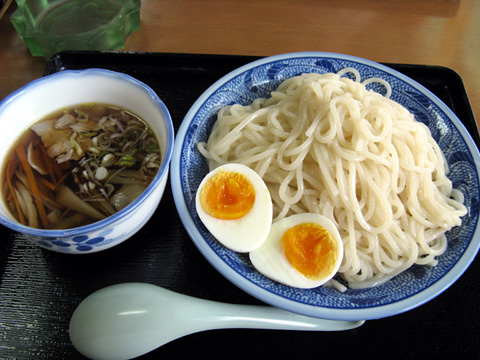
128,320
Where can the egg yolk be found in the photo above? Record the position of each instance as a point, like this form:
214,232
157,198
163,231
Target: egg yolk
227,196
311,249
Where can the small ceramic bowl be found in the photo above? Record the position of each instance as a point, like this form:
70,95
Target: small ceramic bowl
45,95
51,26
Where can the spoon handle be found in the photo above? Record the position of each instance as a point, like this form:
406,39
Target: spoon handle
265,317
261,317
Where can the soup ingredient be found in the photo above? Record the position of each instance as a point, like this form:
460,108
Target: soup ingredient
302,251
79,165
325,144
234,204
67,198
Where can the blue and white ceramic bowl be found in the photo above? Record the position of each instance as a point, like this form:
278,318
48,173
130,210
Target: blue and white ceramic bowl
53,92
406,291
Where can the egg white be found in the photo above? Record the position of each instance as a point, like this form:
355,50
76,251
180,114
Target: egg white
249,232
271,261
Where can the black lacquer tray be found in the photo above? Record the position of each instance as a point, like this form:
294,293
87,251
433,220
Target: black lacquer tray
40,289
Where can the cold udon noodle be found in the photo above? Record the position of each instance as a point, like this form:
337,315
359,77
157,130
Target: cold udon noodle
325,144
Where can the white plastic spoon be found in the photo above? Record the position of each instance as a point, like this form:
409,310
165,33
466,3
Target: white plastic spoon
128,320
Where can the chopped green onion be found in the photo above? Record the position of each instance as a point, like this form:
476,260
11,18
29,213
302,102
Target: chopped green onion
89,134
82,116
101,173
108,160
94,150
126,160
151,148
76,145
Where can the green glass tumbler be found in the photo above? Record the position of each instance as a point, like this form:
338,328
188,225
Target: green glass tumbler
51,26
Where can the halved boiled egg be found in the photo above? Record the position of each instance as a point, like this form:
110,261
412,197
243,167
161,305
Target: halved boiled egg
303,251
234,204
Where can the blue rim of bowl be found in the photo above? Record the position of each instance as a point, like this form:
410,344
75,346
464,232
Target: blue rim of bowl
127,210
264,295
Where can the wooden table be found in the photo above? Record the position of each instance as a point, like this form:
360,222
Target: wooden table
428,32
39,289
